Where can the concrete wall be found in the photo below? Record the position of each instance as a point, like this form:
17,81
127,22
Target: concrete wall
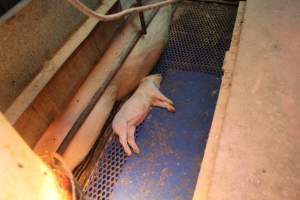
31,37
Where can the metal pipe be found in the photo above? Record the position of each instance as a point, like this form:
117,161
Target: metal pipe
142,18
91,13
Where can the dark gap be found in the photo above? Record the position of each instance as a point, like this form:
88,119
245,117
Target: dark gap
5,5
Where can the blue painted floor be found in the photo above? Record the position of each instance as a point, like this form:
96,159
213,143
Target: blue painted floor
172,144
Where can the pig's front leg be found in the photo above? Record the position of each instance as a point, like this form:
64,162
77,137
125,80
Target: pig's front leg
131,127
131,139
121,129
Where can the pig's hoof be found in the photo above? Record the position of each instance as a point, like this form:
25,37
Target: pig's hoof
128,153
137,151
172,110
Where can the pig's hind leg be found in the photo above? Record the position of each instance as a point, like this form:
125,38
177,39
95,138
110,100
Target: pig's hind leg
164,104
160,97
162,101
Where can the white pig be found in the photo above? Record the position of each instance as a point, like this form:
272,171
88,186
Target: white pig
136,108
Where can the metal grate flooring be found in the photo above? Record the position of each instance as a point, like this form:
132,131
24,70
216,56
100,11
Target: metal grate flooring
172,144
200,34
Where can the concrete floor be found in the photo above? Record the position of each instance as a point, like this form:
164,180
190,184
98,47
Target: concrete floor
258,157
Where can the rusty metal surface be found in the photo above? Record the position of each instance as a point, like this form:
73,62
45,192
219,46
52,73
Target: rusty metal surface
172,144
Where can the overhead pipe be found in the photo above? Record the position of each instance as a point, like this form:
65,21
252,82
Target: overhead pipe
91,13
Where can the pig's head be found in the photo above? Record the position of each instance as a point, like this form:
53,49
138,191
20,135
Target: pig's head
155,78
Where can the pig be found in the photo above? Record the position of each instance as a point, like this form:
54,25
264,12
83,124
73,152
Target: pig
135,109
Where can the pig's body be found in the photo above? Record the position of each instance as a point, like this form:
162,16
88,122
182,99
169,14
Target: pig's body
135,110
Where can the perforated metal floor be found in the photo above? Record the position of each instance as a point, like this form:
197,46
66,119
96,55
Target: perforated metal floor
200,34
172,144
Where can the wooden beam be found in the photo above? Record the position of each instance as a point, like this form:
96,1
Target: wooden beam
97,81
60,90
52,66
208,162
137,65
23,174
88,133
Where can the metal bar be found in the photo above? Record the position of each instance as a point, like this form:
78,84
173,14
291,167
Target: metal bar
142,18
232,3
